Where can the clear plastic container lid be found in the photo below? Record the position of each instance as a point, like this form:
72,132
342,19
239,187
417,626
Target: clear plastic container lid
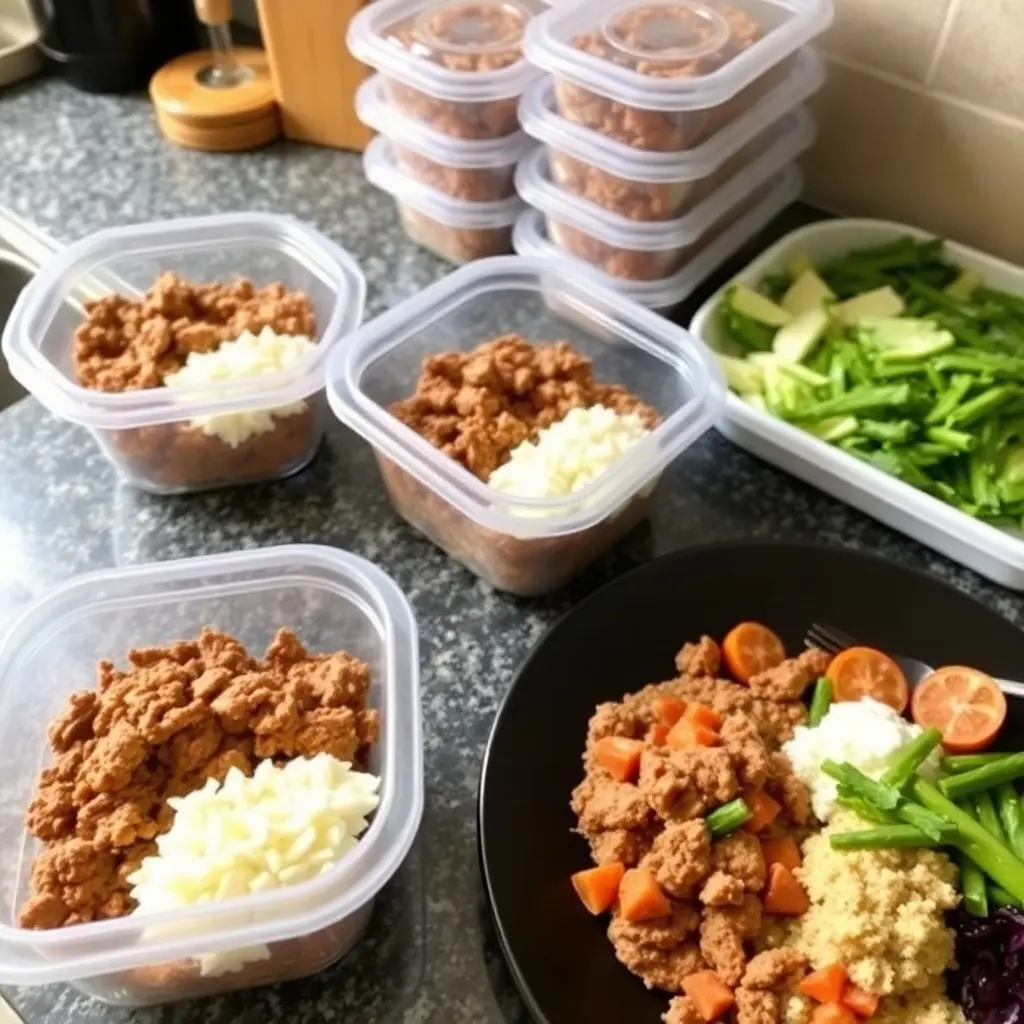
534,184
265,247
372,108
381,170
334,601
530,239
653,357
458,50
671,54
540,120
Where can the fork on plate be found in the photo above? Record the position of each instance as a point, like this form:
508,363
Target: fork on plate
833,640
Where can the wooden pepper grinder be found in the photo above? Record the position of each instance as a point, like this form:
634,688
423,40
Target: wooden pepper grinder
221,99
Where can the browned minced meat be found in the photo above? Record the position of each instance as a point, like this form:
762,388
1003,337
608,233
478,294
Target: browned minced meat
656,822
789,680
177,716
127,343
477,406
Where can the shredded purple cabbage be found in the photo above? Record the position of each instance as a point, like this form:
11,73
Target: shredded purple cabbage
988,981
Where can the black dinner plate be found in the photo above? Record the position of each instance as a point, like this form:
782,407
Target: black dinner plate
625,636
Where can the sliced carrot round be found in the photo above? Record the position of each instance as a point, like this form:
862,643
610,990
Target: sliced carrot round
750,649
864,672
965,705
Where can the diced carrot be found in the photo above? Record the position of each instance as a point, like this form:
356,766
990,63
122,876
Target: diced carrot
764,810
657,734
641,898
598,887
667,709
710,995
703,715
784,894
782,850
862,1002
826,985
687,735
832,1013
619,757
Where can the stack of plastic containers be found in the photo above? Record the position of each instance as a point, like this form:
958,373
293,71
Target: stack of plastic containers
670,131
451,73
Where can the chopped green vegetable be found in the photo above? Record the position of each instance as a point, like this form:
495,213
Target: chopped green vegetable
742,376
988,817
909,758
821,701
1007,769
991,856
881,795
1011,815
972,885
956,764
1001,898
863,808
727,818
884,837
899,357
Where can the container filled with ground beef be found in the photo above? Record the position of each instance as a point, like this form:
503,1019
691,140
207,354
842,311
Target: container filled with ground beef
158,719
649,186
456,66
643,250
522,418
194,349
456,229
665,75
475,170
663,295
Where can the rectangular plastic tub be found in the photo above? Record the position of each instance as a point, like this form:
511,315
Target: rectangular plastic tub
152,436
995,553
667,74
649,186
457,230
651,250
530,239
333,601
524,546
475,170
456,66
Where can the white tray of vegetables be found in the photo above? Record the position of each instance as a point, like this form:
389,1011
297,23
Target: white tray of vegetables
886,368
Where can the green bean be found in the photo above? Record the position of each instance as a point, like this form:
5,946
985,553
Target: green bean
988,776
992,857
1001,898
910,757
1011,814
881,795
885,837
973,887
728,818
821,701
935,826
986,814
957,764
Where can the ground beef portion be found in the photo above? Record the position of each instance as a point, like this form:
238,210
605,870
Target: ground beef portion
177,716
656,820
789,680
477,406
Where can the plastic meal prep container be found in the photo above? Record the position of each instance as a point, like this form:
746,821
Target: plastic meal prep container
644,185
650,250
455,65
457,230
525,546
995,553
152,435
667,74
333,601
477,170
530,239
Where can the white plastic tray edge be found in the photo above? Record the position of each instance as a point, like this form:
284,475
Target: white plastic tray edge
994,553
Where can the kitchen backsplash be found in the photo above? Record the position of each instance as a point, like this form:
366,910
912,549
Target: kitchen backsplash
922,118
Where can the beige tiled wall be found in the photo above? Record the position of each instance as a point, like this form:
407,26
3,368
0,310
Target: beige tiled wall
922,118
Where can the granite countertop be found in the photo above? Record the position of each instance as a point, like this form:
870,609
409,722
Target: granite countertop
72,163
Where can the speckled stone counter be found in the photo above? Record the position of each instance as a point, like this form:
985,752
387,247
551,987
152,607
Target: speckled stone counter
73,163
